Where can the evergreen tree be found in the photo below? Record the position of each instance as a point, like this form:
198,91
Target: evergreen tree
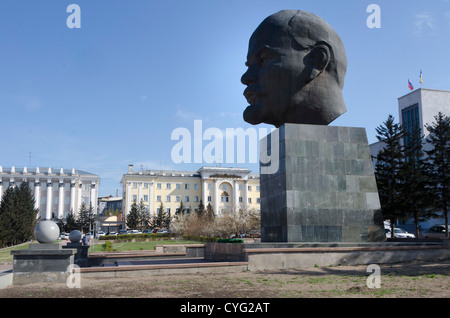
8,218
181,208
414,187
144,216
18,217
201,209
133,217
159,219
209,211
71,223
439,157
85,218
389,161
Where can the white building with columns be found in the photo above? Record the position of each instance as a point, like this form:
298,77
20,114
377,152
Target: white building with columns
56,191
223,188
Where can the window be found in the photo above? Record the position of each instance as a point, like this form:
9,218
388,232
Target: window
209,198
241,199
134,185
145,185
258,200
224,197
145,197
134,198
410,119
196,198
186,198
186,186
258,188
168,186
158,198
249,188
249,200
178,186
158,186
168,198
224,187
178,198
241,187
196,186
209,186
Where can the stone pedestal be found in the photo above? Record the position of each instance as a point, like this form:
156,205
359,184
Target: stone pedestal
324,189
81,255
42,263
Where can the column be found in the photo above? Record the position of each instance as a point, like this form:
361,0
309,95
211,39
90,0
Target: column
216,197
37,194
127,207
139,193
235,195
93,198
246,193
150,199
80,190
61,199
48,208
72,197
204,196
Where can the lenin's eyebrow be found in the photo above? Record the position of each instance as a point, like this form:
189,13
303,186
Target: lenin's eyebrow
267,50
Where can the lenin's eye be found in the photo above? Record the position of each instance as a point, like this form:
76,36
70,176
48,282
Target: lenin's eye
266,56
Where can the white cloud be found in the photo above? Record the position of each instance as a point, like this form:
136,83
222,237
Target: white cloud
425,24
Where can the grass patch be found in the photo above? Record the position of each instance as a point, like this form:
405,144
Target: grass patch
5,253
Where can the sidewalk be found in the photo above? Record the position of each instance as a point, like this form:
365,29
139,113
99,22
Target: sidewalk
4,267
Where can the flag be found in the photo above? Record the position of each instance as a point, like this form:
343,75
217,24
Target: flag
411,87
421,80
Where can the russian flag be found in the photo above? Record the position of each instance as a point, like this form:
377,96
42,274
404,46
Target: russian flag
411,87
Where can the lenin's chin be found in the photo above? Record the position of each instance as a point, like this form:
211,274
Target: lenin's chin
253,115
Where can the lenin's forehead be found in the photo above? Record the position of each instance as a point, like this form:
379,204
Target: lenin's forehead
268,34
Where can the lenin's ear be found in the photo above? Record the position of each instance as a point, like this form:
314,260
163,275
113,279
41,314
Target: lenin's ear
318,59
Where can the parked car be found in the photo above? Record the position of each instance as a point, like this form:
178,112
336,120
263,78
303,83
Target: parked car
64,236
101,233
162,231
399,233
435,231
147,231
134,232
112,233
123,232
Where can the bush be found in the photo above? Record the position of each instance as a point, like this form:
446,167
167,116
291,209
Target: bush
233,240
107,246
137,237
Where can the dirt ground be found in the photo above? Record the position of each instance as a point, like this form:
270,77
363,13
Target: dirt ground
412,280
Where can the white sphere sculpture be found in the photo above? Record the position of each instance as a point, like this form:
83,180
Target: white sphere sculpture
46,231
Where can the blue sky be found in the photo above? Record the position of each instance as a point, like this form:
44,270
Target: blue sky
110,93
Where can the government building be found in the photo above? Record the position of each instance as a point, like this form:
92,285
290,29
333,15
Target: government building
223,188
418,108
56,191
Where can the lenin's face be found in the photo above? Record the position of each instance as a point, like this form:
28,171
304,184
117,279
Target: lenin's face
276,75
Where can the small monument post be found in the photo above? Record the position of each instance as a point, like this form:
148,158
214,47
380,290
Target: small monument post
44,261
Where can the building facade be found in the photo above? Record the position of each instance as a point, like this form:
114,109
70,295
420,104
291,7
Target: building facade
419,107
223,188
56,192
